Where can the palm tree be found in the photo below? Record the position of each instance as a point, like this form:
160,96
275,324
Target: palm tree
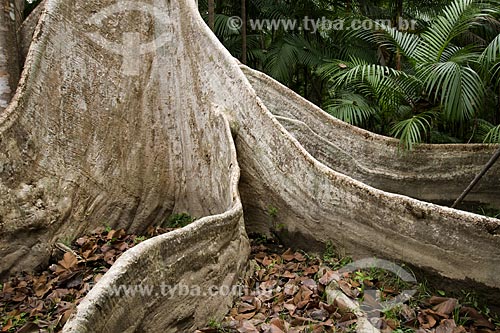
442,86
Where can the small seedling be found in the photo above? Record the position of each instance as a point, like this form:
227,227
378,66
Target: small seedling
139,239
272,211
215,324
179,220
404,330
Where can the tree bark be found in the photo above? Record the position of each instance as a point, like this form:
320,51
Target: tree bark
211,14
99,133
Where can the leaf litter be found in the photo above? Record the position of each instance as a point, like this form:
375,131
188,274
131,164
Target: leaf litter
43,302
291,292
285,292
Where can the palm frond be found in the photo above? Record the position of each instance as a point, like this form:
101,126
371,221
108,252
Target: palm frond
458,88
356,70
398,41
492,52
410,131
351,108
457,18
493,135
281,61
223,29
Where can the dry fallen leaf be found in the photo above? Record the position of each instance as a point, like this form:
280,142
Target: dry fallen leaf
247,327
69,261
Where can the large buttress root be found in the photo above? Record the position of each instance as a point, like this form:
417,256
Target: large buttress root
84,145
435,173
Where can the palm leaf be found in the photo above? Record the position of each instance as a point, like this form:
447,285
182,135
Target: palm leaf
492,52
351,108
456,19
459,89
410,131
493,135
281,60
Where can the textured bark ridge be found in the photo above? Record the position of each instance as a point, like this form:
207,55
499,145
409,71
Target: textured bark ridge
129,111
435,173
11,14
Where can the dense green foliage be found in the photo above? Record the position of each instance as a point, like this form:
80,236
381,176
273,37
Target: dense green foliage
435,81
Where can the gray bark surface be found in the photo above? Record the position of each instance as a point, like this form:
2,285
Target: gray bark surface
10,65
96,137
435,173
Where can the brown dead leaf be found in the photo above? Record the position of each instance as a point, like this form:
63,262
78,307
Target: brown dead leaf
478,320
245,316
290,307
19,297
7,326
267,261
290,289
41,285
288,255
435,300
289,275
346,288
247,327
426,320
279,323
245,307
311,270
328,277
446,307
268,285
310,283
69,261
446,326
459,329
299,257
275,329
319,315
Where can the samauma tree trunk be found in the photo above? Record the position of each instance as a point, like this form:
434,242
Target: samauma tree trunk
125,126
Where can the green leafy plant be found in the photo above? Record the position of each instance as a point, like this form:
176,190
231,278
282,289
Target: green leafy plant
272,211
404,330
139,239
217,325
179,220
15,322
459,319
440,82
411,131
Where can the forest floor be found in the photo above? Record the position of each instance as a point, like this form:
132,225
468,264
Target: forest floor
285,292
291,292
